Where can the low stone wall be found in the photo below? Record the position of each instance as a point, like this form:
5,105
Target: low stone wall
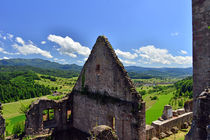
170,125
150,132
170,122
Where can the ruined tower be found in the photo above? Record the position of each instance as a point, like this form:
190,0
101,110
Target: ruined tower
105,95
201,68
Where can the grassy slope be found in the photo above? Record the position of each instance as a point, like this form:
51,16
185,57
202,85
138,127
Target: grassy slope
154,107
64,85
156,110
12,114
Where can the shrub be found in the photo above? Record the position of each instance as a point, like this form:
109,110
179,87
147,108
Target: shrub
154,98
18,128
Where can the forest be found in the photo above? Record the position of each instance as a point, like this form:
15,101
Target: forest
20,85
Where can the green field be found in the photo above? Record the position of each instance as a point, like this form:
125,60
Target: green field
63,85
154,108
13,115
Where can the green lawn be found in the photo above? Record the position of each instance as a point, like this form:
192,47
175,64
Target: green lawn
156,110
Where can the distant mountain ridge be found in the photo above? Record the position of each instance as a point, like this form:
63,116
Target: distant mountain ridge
40,63
134,71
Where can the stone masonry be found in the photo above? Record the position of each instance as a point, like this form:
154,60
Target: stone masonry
201,117
105,95
201,66
35,124
2,124
102,95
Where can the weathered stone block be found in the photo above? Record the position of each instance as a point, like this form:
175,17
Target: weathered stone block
180,111
103,132
174,130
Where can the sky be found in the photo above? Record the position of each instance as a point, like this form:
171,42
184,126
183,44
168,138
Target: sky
147,33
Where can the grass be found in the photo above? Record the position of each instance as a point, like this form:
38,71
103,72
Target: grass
13,115
11,122
156,110
179,136
63,85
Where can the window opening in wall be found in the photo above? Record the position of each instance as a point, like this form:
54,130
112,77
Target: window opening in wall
113,122
48,114
97,68
68,114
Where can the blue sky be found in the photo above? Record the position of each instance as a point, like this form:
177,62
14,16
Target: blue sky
149,33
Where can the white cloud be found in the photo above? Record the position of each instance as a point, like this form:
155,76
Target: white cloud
63,61
79,61
150,55
175,34
85,59
20,40
10,36
126,55
69,47
4,37
43,42
5,52
4,58
30,48
127,62
183,52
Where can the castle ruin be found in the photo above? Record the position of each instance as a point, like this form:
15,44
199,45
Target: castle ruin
102,95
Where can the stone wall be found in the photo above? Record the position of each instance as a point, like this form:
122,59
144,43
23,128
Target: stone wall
171,123
88,113
105,95
167,125
201,60
2,124
104,73
34,123
201,118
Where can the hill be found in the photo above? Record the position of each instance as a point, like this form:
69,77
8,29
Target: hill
134,71
39,63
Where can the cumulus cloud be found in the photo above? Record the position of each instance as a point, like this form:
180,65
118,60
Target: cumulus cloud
29,48
10,36
4,58
43,42
183,52
5,52
127,62
20,40
68,46
79,61
63,61
150,55
175,34
126,55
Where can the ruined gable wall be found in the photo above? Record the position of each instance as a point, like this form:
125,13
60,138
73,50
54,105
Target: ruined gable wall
88,113
104,73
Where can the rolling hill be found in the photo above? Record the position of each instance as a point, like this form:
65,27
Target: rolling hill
135,72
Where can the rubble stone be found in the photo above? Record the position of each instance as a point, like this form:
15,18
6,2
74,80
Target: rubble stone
103,132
